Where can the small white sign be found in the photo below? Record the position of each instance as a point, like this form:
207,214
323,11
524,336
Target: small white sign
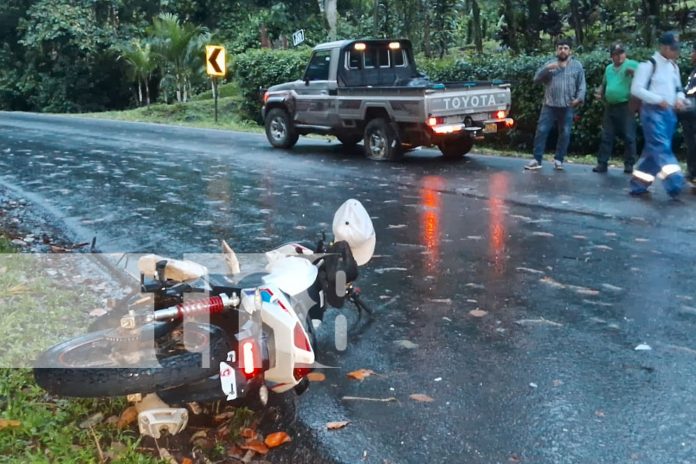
298,37
228,381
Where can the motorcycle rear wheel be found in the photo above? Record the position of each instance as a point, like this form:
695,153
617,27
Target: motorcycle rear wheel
96,364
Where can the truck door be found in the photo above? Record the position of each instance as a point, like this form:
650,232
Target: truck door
315,101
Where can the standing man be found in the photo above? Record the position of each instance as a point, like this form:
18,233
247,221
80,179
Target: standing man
659,88
619,120
688,120
564,82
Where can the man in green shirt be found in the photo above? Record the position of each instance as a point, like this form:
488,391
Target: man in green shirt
619,120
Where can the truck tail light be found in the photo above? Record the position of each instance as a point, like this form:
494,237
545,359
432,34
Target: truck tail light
432,121
499,115
509,122
265,96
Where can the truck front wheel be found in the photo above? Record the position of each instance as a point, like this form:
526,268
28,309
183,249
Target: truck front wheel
279,129
382,141
456,148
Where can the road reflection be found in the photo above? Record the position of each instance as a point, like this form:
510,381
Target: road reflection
497,245
430,220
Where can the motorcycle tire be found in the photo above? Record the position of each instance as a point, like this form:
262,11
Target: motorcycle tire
99,377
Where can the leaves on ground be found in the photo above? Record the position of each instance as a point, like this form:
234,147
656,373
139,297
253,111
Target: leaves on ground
255,445
316,377
421,398
478,312
276,439
128,416
9,423
407,344
360,374
336,425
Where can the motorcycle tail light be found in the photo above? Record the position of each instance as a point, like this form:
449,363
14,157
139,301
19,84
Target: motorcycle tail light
300,337
249,358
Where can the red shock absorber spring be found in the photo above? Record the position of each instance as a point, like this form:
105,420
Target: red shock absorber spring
212,305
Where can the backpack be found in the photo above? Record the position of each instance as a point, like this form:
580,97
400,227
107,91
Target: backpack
634,103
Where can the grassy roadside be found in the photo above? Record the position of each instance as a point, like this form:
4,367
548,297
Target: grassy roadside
34,426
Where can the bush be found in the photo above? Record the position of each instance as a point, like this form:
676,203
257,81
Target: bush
263,68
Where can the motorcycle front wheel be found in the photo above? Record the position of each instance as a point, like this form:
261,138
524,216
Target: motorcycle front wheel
111,363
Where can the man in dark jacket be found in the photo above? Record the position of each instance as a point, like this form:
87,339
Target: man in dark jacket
688,120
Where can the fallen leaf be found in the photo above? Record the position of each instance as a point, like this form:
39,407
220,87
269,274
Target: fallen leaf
643,347
201,434
186,461
222,417
407,344
167,456
337,425
477,312
5,423
360,374
514,458
97,312
91,421
316,377
128,416
256,446
248,433
422,398
599,413
276,439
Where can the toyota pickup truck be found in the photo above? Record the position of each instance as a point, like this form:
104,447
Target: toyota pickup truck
371,90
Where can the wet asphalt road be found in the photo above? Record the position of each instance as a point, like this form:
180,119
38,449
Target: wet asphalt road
572,273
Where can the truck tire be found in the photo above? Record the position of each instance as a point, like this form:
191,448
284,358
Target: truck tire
280,130
382,141
349,141
456,148
174,368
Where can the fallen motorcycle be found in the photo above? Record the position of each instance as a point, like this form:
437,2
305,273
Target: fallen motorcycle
248,340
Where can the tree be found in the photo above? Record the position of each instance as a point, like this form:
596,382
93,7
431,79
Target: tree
141,62
180,48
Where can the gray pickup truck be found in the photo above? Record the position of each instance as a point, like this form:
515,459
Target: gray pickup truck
370,90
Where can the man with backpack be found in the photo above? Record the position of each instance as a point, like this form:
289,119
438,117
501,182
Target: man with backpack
657,85
619,120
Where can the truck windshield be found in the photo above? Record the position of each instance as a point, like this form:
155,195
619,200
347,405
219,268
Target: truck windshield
318,69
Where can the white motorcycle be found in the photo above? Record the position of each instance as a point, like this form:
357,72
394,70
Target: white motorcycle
249,340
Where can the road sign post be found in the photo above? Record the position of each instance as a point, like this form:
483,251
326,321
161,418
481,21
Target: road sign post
215,67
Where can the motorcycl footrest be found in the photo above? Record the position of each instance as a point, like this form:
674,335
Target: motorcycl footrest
153,422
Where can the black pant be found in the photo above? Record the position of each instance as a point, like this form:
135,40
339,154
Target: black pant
688,121
618,121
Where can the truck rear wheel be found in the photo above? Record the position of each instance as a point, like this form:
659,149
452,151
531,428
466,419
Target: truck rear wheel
382,141
456,148
279,129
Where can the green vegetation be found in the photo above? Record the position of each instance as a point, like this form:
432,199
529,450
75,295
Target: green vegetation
48,430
